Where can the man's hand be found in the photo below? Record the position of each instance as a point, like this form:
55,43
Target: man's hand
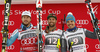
58,43
37,31
2,31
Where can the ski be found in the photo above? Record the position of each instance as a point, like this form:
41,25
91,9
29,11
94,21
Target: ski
39,23
94,20
62,40
6,21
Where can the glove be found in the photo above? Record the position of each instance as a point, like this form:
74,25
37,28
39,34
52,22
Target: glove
2,31
58,43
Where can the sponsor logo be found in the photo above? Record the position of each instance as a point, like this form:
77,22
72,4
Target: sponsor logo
11,23
77,48
51,48
97,50
97,46
28,48
6,20
7,7
87,46
11,12
84,22
28,41
10,47
44,22
6,14
81,22
94,9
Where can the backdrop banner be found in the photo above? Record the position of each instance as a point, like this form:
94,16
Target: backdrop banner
79,10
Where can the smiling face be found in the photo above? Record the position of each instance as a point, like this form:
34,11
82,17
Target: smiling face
70,24
26,20
52,21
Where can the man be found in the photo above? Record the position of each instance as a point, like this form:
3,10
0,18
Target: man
75,37
51,34
26,34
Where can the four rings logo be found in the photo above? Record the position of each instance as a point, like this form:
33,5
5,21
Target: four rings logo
81,22
44,22
87,46
28,41
11,23
10,47
97,46
84,22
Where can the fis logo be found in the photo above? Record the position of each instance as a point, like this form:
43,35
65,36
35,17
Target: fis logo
82,22
94,9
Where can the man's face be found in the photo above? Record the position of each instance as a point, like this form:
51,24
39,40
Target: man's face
52,21
26,20
70,24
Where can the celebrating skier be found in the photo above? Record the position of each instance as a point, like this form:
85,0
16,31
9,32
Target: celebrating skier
26,34
75,37
51,34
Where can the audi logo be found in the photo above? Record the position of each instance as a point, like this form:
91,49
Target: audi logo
44,22
11,23
97,46
82,22
87,46
28,41
10,47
